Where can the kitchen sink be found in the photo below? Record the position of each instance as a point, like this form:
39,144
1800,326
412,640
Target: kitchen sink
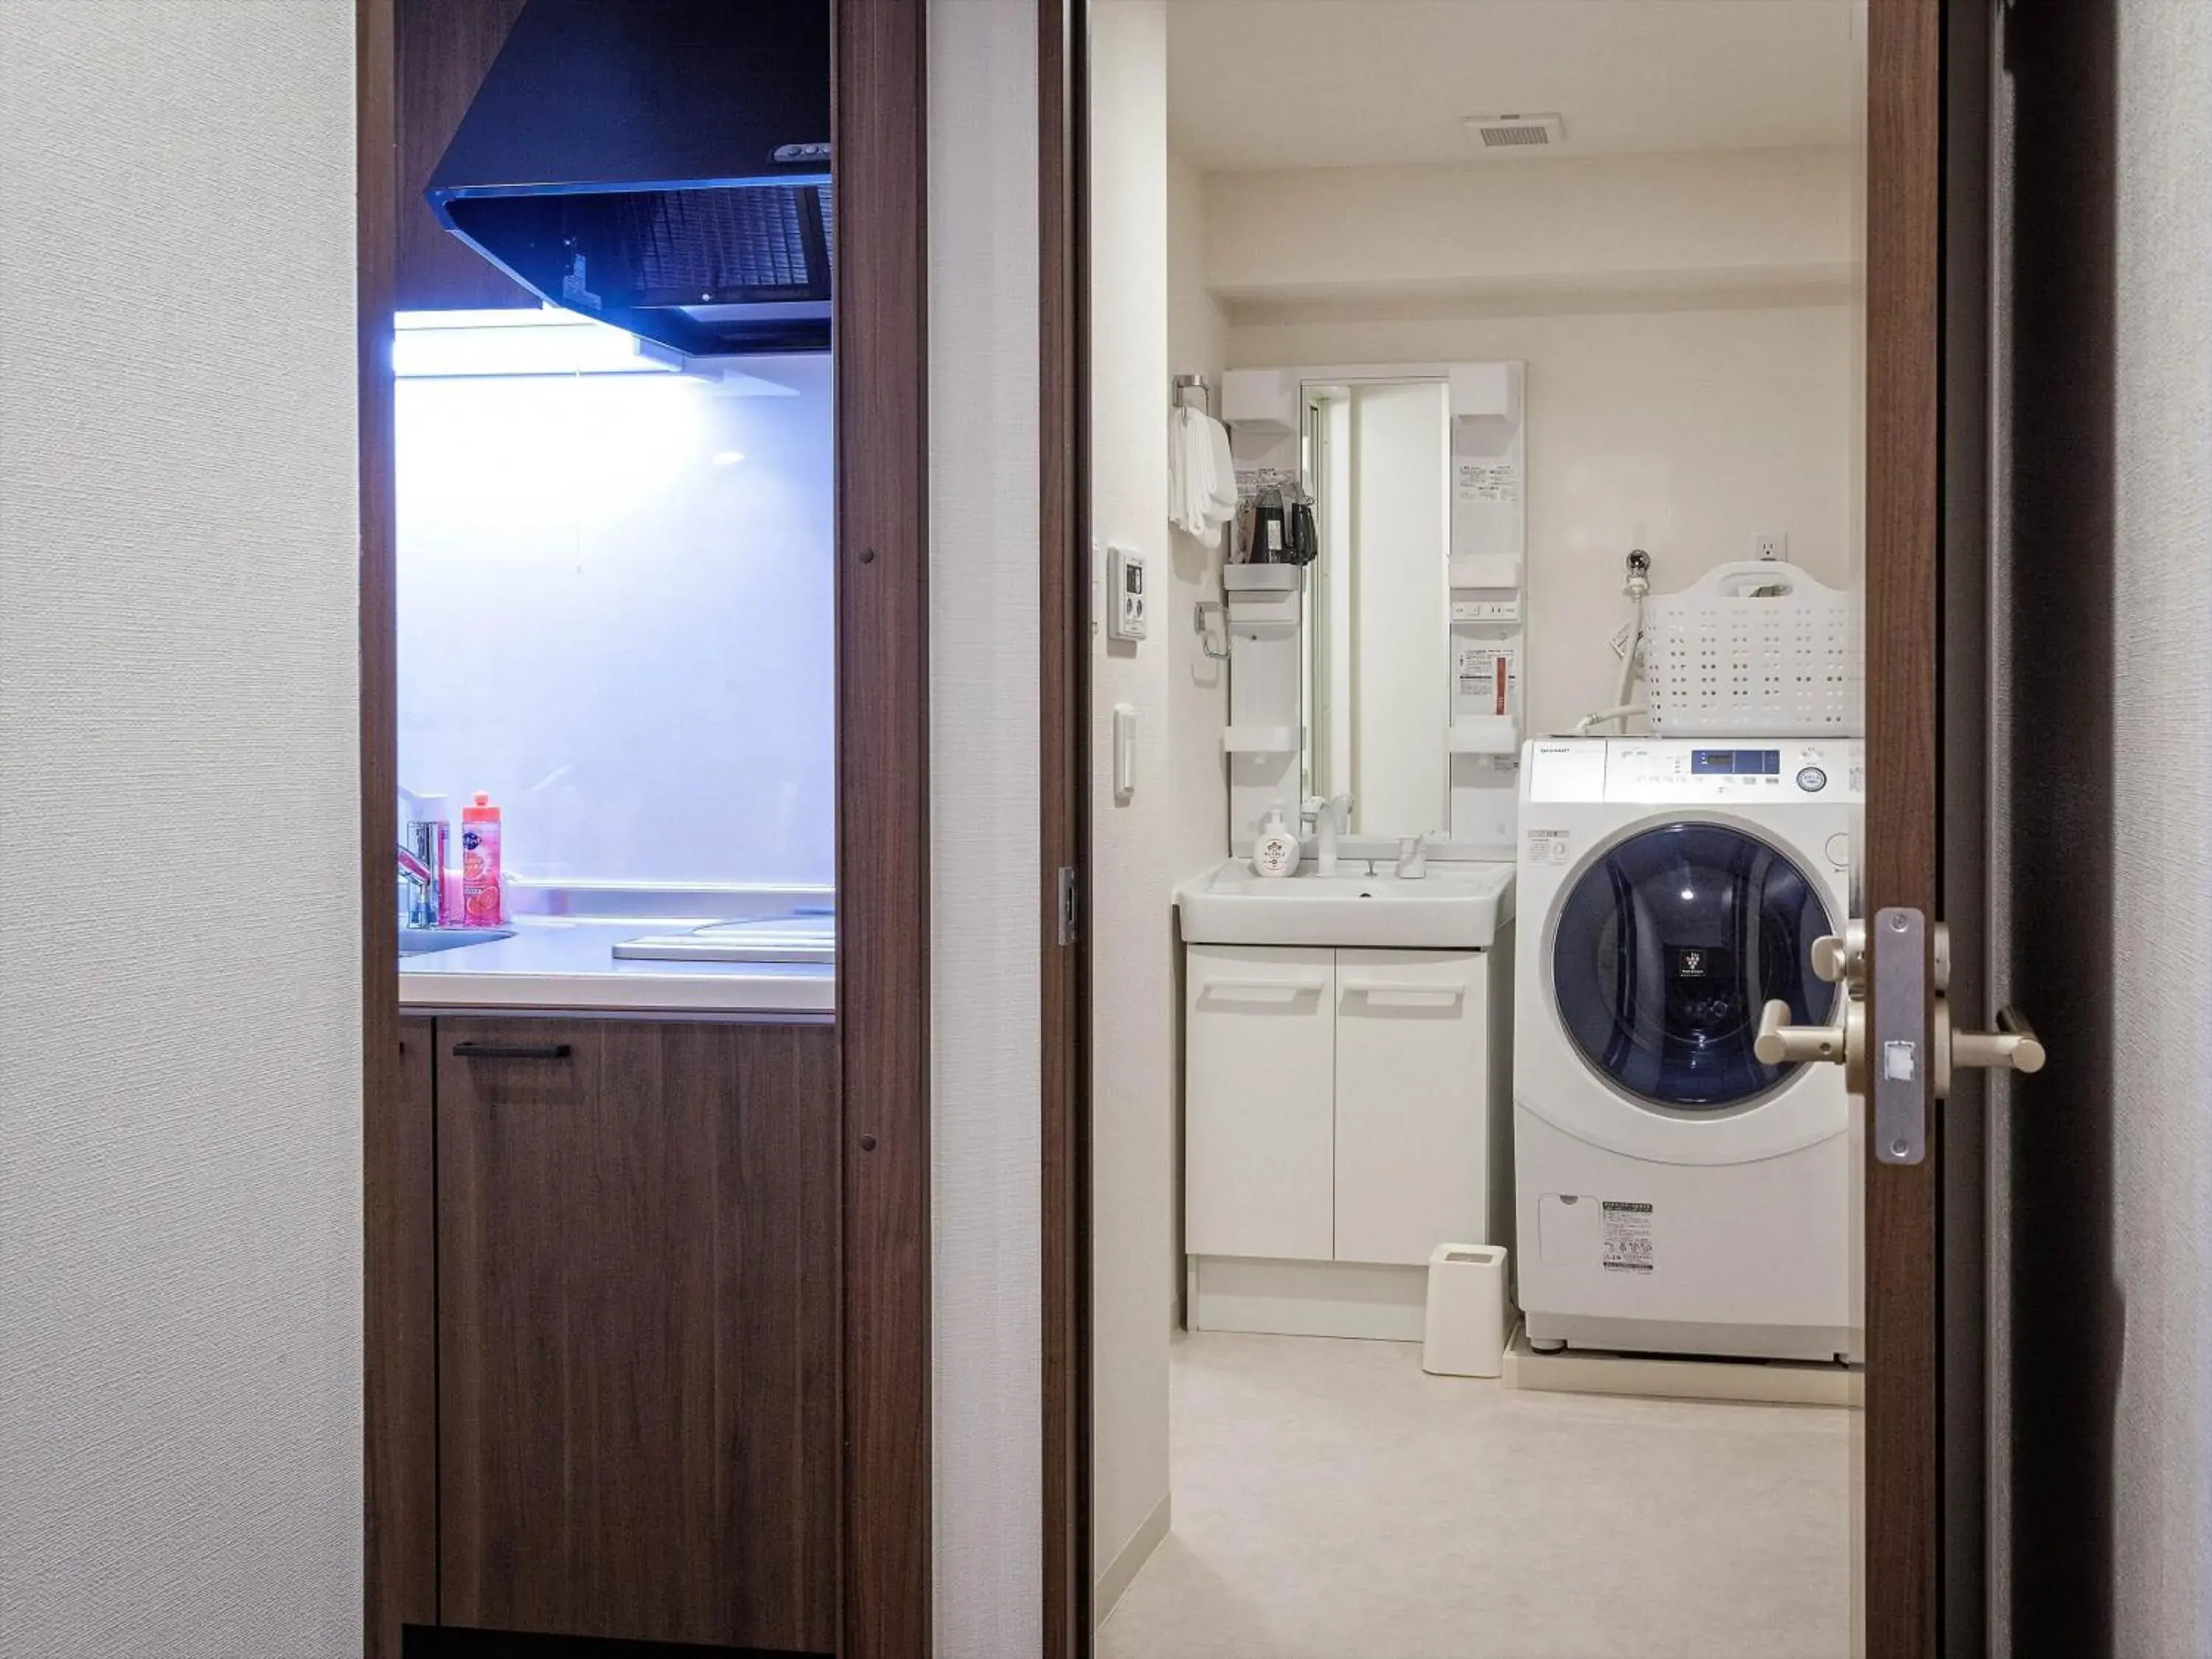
1454,907
421,941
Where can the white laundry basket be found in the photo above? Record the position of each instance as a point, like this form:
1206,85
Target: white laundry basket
1758,648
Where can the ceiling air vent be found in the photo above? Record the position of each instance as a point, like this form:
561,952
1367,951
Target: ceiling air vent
1516,133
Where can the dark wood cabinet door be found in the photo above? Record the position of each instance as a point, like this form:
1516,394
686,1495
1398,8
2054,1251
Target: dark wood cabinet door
444,47
401,1408
637,1237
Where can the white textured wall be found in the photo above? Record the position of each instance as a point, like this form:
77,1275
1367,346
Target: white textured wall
1680,432
180,1219
1133,997
983,529
2161,1101
1198,685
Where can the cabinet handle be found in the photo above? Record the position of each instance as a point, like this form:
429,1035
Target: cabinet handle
1425,996
1281,987
510,1051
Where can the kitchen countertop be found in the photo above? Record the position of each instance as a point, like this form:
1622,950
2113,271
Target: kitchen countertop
563,965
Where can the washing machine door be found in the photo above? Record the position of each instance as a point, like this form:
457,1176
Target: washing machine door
1664,948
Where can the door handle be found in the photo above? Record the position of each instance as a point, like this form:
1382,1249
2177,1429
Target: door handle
1910,972
2013,1046
1780,1044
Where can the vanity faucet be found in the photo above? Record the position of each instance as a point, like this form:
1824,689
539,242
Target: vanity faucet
1330,817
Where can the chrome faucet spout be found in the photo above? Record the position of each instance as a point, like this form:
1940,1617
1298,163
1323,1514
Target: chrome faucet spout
1330,818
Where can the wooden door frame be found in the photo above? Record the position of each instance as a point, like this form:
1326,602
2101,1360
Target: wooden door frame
1903,1453
1064,786
879,135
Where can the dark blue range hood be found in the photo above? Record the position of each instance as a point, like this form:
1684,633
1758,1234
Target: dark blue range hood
659,165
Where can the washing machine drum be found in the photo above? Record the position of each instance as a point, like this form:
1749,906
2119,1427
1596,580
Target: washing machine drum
1665,950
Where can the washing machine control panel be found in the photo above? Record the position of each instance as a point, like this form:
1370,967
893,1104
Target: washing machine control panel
1775,770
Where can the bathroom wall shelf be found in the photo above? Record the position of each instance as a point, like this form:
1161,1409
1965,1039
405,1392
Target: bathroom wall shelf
1491,734
1262,740
1495,570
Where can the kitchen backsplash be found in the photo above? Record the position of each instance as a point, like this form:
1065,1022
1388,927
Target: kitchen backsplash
616,615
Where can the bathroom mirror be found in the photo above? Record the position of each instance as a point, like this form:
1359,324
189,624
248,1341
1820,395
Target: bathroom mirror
1375,462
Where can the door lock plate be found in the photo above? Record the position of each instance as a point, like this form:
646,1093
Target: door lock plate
1898,949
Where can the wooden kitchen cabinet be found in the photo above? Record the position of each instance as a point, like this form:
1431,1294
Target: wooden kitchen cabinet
401,1293
637,1234
443,48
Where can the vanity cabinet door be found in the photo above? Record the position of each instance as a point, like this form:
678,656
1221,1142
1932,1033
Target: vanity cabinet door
1260,1039
1412,1102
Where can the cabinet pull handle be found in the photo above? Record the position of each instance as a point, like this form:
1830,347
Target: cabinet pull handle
510,1051
1282,988
1426,995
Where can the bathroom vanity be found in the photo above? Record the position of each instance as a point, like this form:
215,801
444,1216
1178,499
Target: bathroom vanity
1348,1029
1346,1104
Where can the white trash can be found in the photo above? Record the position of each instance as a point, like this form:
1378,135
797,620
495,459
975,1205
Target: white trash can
1469,1317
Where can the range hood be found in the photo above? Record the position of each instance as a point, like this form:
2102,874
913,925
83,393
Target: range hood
659,165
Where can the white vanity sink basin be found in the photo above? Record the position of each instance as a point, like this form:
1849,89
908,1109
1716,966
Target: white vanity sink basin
1455,907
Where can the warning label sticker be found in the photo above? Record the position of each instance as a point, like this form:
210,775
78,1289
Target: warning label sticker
1628,1236
1486,480
1549,846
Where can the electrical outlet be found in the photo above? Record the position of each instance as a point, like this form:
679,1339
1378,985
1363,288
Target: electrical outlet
1770,544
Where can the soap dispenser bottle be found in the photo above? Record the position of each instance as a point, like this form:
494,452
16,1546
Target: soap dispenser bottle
1275,852
482,895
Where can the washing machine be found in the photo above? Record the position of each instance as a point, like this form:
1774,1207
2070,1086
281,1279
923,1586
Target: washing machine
1675,1194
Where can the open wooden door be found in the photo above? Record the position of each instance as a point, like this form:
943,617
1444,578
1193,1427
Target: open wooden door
1923,844
1900,1565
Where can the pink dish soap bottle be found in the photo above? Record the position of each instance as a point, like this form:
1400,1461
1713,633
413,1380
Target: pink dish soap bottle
480,889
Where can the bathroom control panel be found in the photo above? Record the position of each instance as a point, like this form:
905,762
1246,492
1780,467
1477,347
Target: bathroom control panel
1126,596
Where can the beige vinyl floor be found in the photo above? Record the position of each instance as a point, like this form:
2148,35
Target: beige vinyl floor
1332,1501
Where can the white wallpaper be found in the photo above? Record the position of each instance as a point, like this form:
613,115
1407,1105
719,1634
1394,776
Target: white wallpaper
985,1030
1133,1154
179,1018
2161,1101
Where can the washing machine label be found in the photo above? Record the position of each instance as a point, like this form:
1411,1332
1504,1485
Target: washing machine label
1550,846
1627,1238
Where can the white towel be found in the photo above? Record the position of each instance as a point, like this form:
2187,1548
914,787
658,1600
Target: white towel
1224,474
1179,467
1201,475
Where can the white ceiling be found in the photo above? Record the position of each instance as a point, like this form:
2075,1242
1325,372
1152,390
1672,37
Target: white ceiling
1303,83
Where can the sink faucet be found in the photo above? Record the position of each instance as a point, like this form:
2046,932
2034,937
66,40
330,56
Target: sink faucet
422,843
418,890
1330,817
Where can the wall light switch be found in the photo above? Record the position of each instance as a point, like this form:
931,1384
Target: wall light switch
1126,595
1125,750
